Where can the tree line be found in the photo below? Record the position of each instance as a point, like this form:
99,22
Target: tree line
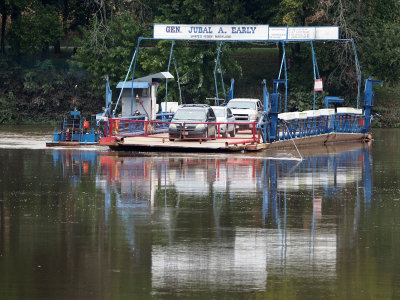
67,41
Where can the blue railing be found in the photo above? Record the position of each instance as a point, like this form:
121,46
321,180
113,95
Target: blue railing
316,125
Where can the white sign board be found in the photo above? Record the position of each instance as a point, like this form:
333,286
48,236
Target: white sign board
327,33
243,32
211,32
304,33
301,33
277,33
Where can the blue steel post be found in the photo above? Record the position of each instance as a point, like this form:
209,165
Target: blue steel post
369,102
358,69
133,75
108,95
126,77
286,80
166,80
230,93
283,63
177,78
313,60
273,117
215,72
266,108
107,86
273,125
222,81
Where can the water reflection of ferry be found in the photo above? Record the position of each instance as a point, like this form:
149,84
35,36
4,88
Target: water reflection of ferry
185,175
142,176
249,254
288,228
75,163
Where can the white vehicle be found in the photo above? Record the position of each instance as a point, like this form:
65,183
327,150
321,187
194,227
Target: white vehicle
246,110
224,115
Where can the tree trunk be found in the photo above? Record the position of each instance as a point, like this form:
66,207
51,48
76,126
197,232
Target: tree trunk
16,19
57,47
3,26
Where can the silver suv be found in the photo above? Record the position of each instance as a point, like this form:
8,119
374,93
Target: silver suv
246,110
193,121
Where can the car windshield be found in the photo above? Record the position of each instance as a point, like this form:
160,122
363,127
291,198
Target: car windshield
219,112
190,114
242,105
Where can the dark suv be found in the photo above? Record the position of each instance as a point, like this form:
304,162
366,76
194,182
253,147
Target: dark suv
192,121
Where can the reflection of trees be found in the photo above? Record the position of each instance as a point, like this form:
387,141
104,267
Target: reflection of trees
102,228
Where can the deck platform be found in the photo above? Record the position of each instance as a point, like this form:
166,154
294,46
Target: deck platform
321,139
242,141
162,142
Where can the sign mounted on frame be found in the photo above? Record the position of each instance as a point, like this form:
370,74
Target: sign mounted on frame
243,32
211,32
318,86
304,33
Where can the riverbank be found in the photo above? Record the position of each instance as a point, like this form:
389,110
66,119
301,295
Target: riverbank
41,91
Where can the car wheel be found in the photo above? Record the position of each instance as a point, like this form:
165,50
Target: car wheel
233,132
171,140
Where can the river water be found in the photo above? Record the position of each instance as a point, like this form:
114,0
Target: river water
94,224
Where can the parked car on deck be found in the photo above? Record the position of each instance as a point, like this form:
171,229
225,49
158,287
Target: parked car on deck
225,115
191,121
246,110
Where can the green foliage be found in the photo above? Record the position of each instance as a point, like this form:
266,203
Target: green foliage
108,50
35,95
7,107
105,34
387,105
295,12
113,53
37,28
302,100
382,62
195,65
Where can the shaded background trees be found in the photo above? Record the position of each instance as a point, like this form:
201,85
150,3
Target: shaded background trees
47,46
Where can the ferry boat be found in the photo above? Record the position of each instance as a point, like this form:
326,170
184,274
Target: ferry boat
139,126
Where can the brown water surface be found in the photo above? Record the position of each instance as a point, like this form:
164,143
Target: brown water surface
93,224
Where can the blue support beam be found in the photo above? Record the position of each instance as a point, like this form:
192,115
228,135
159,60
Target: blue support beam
358,70
177,78
215,72
274,110
283,64
332,99
230,93
369,102
168,68
133,78
127,74
315,69
266,109
108,99
222,81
